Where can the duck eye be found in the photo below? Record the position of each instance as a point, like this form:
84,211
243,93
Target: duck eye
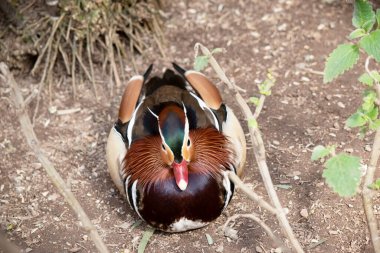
188,142
163,147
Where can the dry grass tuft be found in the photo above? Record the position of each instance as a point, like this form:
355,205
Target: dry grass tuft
75,35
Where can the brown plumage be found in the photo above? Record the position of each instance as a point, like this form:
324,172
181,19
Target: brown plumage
171,148
211,156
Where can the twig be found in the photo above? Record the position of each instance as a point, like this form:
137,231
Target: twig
251,194
368,193
91,63
48,44
316,72
59,183
259,152
267,229
109,42
73,81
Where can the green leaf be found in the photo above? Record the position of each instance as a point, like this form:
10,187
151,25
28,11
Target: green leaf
201,62
252,123
378,18
320,152
360,32
341,59
364,16
342,174
375,185
371,44
373,113
254,100
374,125
145,239
368,101
356,120
366,79
136,224
375,75
10,227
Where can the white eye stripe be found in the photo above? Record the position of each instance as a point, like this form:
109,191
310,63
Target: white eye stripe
132,122
203,105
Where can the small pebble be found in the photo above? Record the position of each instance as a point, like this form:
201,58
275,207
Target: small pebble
276,143
341,105
304,213
259,249
282,27
368,148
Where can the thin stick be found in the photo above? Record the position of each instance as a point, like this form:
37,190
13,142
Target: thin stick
251,194
52,63
73,50
109,39
48,43
91,63
259,152
368,193
267,229
56,179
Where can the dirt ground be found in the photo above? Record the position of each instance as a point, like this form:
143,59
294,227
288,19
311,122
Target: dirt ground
285,36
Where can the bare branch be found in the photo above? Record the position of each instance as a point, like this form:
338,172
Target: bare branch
59,183
259,152
267,229
368,193
251,194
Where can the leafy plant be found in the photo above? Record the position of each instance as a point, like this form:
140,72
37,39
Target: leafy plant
342,171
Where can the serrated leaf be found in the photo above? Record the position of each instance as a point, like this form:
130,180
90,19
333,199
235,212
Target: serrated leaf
145,239
356,120
357,33
373,113
342,174
319,152
371,44
364,16
366,79
252,123
374,125
341,59
375,185
201,62
368,101
254,100
375,75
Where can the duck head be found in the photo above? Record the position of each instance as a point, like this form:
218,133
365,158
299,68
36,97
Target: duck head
176,149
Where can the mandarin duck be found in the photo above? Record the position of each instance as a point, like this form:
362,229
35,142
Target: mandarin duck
171,148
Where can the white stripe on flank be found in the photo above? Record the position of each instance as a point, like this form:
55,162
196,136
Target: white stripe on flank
227,186
126,190
134,198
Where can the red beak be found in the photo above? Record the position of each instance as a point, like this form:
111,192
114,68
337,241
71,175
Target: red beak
181,174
